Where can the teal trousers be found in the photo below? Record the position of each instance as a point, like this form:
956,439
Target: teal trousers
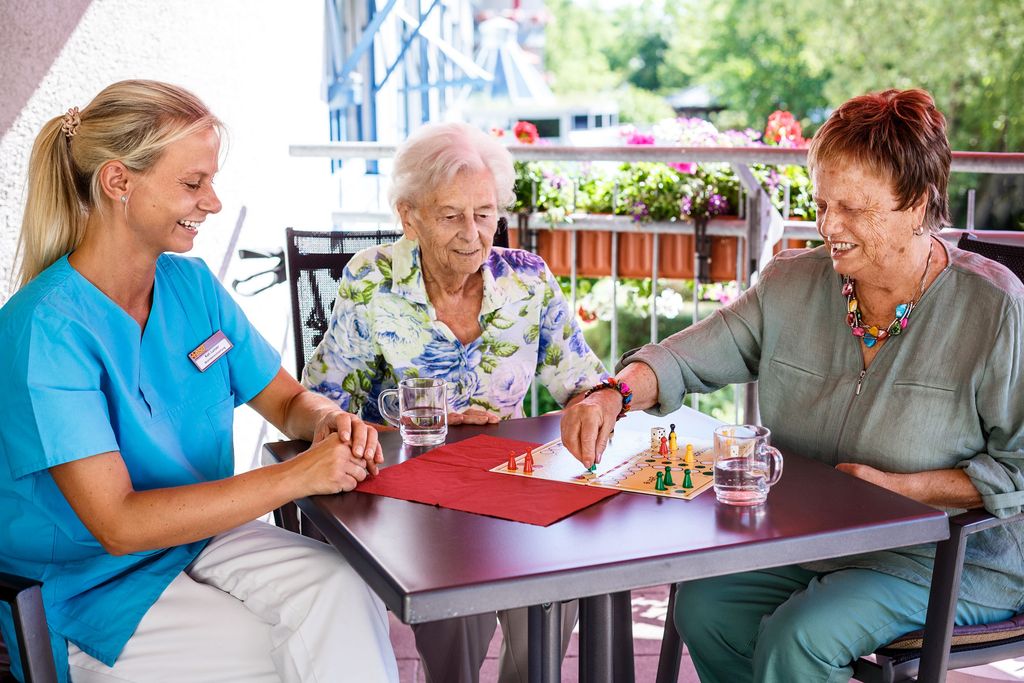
791,625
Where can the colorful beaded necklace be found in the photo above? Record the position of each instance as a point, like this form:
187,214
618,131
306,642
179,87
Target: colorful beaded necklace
871,335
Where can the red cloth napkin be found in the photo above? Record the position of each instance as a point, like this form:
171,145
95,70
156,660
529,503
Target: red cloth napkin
456,476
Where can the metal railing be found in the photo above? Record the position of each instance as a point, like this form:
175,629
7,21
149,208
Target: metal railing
963,162
758,228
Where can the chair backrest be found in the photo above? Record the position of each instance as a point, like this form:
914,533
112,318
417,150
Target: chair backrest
315,261
1010,255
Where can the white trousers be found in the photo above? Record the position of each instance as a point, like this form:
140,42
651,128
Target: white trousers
258,604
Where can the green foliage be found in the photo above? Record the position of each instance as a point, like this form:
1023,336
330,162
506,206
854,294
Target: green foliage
640,53
968,53
804,56
755,56
574,48
640,106
634,329
775,180
650,191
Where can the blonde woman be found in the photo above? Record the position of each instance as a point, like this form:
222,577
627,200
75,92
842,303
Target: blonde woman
122,367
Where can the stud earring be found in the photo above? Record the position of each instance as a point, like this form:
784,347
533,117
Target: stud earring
124,198
919,230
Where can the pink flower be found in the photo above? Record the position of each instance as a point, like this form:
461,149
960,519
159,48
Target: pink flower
784,130
686,168
640,139
525,132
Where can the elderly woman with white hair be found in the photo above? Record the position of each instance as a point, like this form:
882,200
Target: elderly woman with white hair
443,302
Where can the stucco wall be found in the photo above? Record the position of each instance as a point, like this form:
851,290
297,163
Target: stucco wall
257,63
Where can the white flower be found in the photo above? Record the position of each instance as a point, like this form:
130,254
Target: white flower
396,332
670,303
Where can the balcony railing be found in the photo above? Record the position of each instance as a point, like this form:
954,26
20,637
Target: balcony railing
758,229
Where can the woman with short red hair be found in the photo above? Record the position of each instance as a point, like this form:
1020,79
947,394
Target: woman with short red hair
886,353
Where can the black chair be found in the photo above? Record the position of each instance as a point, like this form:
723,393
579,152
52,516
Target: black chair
314,262
1010,255
26,601
926,654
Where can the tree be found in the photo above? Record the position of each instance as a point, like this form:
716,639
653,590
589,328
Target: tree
968,53
640,53
575,41
754,56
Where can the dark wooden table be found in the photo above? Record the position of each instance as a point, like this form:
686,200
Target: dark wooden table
428,563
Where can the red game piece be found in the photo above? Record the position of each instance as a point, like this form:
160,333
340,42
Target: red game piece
528,462
664,447
511,462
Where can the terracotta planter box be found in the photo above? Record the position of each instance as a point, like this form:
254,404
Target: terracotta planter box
594,254
513,237
675,257
723,258
555,248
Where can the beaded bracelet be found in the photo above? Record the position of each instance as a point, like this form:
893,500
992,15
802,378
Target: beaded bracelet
621,387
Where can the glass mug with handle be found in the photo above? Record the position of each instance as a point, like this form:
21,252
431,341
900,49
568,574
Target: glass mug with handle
746,466
422,417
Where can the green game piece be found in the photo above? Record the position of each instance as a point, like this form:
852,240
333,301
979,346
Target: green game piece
659,482
593,468
687,482
668,476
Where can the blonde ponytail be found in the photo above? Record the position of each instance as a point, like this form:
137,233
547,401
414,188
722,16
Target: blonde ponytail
130,121
54,218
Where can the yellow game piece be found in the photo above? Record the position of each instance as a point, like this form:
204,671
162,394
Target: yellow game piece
689,454
672,445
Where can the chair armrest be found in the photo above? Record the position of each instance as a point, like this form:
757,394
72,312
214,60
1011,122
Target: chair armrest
26,601
973,521
945,590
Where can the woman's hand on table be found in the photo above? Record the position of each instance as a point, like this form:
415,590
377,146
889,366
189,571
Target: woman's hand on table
329,466
473,416
587,425
359,436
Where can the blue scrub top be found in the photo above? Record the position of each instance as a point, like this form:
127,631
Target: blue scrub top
78,380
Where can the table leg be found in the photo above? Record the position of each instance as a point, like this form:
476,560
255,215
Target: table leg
622,637
606,639
671,645
287,517
596,651
545,643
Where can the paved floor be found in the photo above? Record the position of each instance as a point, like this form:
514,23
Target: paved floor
649,607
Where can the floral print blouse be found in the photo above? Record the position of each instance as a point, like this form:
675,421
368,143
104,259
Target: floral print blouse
384,329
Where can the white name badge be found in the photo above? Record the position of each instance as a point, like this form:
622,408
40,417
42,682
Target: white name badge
207,353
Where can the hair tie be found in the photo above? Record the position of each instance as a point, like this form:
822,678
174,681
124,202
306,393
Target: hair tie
70,122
